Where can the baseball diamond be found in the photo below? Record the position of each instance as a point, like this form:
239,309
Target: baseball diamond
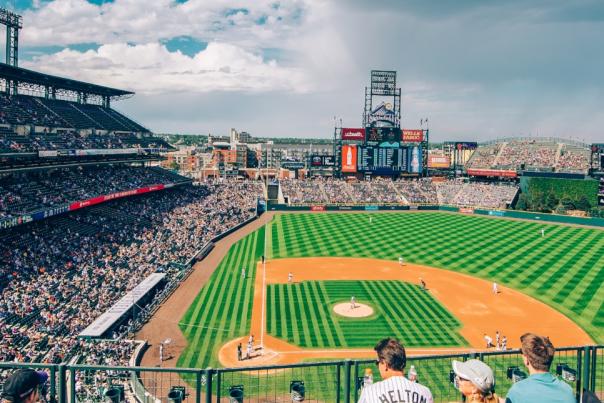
564,270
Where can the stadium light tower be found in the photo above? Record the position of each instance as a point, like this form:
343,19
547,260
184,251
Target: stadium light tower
13,24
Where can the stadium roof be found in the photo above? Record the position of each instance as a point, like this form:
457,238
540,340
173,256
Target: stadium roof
33,77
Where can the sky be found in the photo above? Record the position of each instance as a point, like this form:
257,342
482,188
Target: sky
477,69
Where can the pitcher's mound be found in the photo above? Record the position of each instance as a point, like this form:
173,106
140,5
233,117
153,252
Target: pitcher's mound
359,310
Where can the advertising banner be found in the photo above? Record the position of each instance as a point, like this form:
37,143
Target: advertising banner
466,210
353,134
439,161
349,158
101,199
415,160
492,172
317,208
466,145
316,160
47,153
329,160
413,135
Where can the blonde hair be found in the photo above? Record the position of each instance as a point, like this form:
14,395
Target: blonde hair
480,398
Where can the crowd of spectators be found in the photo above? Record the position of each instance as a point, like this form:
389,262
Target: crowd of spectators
463,194
404,192
531,154
70,140
528,153
58,275
573,158
26,193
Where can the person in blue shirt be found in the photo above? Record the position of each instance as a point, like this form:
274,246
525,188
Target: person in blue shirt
541,385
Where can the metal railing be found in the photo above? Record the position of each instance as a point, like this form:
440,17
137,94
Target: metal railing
329,381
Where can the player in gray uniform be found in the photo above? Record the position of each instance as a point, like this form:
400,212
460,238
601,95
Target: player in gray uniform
394,387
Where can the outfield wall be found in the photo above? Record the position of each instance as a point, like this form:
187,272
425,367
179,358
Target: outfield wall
525,215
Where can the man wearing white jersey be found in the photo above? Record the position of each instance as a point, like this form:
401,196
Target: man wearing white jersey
394,387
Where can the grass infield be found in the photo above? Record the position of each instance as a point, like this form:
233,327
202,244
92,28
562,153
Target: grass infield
565,269
303,314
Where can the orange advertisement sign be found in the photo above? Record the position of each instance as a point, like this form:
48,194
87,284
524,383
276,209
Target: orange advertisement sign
439,161
349,158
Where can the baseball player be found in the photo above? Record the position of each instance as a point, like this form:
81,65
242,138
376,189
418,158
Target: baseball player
504,343
495,288
290,278
489,340
542,232
400,260
249,350
161,353
391,361
352,303
497,340
422,284
242,272
370,220
239,352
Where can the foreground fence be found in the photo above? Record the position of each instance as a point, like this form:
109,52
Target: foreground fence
330,381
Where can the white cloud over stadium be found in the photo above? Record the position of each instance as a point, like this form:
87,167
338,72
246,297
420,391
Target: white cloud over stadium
479,70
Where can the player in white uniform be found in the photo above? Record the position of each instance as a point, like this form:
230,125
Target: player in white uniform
243,272
495,289
352,303
400,260
394,387
542,232
290,277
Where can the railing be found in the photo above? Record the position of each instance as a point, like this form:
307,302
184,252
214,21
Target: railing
330,381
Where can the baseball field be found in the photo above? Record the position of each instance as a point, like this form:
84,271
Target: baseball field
334,256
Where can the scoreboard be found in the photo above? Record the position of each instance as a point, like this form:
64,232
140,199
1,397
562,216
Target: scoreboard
383,136
389,160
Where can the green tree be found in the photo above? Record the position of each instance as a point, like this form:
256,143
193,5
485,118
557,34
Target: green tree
551,201
583,203
522,203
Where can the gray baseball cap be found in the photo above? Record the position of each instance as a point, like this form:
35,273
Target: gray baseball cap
477,372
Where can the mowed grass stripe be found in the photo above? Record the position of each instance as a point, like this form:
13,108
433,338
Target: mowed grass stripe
552,269
222,311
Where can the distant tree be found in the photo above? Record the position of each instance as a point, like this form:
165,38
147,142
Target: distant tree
583,203
522,204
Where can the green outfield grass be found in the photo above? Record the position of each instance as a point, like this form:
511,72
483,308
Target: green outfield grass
302,314
565,269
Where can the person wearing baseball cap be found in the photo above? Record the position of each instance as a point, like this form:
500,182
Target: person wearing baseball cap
476,381
22,386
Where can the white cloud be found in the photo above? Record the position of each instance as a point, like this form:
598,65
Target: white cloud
151,68
64,22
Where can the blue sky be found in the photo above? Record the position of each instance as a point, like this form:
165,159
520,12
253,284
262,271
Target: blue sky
478,69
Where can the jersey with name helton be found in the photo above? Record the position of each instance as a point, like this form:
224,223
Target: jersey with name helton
396,389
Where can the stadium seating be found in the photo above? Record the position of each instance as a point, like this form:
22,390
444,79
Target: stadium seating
405,192
532,154
57,275
37,111
26,193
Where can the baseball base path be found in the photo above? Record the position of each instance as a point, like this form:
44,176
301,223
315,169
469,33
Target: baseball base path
469,299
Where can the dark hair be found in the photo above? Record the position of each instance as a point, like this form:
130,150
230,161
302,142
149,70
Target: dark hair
538,350
392,353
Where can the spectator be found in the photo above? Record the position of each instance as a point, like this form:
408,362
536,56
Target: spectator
476,381
541,385
391,361
22,386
